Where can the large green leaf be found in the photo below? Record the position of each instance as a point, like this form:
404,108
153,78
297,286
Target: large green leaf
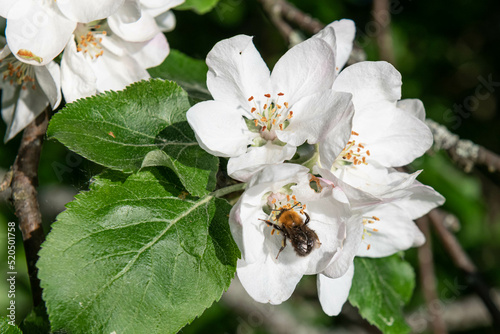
119,129
199,6
6,328
379,290
132,256
189,73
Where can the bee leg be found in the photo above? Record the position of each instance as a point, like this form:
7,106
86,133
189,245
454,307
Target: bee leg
283,245
307,218
272,225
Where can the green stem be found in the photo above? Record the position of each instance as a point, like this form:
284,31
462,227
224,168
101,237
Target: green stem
231,189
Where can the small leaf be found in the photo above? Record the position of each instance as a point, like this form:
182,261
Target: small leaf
119,129
7,328
189,73
380,289
132,256
199,6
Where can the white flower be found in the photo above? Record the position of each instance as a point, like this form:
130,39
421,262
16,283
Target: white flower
386,132
38,30
94,62
26,91
139,21
386,214
258,118
278,202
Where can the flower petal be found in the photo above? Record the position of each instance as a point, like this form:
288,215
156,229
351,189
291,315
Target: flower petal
39,29
344,31
369,82
305,69
393,136
89,10
129,12
236,72
413,107
166,21
333,292
77,77
150,53
20,107
269,281
244,166
394,232
315,115
5,7
219,128
139,31
49,79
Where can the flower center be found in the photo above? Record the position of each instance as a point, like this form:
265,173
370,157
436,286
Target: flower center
353,154
272,116
17,73
368,228
88,39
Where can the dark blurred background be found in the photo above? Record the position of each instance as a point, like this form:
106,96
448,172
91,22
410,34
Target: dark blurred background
446,52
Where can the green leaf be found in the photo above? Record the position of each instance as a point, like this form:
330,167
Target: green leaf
379,290
199,6
119,129
189,73
132,256
37,321
6,328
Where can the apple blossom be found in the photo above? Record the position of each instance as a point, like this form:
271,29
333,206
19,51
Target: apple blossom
259,118
26,91
94,62
37,31
269,272
386,214
139,21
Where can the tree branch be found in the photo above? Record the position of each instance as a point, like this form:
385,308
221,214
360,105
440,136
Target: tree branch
463,262
464,152
382,17
24,195
428,278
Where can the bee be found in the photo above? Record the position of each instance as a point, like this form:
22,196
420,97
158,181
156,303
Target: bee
294,228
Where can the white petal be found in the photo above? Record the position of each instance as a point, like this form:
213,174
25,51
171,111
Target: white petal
305,69
244,166
414,107
349,246
166,21
315,115
344,31
393,136
370,82
236,72
38,29
129,12
420,200
5,6
115,73
89,10
275,173
161,3
20,107
77,77
49,79
338,135
269,281
150,53
393,233
139,31
333,292
219,128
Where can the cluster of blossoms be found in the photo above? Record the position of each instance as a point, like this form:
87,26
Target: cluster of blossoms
318,146
105,45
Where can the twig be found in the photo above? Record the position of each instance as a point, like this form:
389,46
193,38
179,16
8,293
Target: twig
464,152
382,17
428,278
274,10
463,262
304,21
24,195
